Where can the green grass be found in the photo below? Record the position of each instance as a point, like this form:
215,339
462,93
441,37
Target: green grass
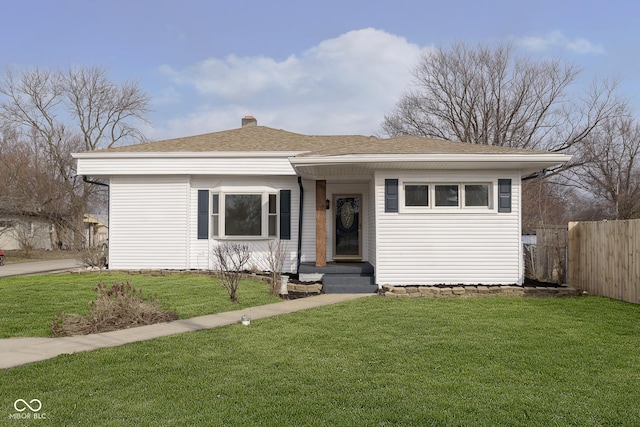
29,304
370,362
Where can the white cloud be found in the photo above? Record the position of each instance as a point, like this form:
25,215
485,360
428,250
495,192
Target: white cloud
342,85
556,39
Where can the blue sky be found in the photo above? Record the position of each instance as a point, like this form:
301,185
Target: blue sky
330,67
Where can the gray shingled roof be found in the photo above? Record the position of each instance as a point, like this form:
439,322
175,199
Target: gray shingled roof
262,138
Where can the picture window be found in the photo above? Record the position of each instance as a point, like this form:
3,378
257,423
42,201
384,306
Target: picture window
244,215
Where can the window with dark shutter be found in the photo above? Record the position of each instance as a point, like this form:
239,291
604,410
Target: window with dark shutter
285,214
504,195
391,195
203,214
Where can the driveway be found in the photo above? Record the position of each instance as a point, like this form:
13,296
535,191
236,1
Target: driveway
39,267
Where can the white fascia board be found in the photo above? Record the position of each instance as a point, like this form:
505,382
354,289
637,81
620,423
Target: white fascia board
184,154
461,158
315,167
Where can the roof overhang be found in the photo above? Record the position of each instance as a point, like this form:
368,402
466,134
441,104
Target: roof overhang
314,167
183,154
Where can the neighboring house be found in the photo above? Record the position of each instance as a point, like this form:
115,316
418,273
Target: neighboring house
96,231
412,210
18,231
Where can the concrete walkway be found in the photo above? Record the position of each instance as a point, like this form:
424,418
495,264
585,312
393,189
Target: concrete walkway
39,267
21,351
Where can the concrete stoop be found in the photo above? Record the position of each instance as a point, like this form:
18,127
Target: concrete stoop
479,290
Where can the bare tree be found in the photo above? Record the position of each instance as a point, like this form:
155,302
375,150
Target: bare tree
26,232
276,257
55,113
610,167
488,95
106,112
230,259
546,204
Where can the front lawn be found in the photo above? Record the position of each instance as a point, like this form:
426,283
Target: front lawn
503,361
29,304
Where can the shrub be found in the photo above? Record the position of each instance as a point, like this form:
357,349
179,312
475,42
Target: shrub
230,259
276,258
93,257
120,306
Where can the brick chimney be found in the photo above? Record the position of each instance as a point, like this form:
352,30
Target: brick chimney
249,121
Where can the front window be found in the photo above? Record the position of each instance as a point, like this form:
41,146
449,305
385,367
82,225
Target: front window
273,216
243,215
416,195
215,215
447,195
421,197
476,195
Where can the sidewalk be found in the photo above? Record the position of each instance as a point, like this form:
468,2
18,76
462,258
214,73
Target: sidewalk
38,267
21,351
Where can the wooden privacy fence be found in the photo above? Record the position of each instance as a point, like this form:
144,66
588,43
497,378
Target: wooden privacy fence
604,258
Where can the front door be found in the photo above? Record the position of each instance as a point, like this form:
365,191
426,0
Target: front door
347,244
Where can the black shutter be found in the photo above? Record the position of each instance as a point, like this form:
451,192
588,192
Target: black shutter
203,214
285,214
504,195
391,195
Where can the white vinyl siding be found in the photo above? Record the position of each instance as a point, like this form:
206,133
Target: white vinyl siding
148,222
449,246
186,166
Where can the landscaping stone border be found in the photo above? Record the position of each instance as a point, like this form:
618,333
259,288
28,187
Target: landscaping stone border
478,290
295,288
437,291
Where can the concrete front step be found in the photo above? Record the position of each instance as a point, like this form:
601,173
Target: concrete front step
338,268
347,279
348,283
341,277
350,289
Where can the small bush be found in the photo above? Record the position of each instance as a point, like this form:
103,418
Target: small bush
230,259
120,306
93,257
276,258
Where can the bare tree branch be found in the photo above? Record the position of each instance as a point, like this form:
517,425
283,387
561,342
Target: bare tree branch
45,116
487,95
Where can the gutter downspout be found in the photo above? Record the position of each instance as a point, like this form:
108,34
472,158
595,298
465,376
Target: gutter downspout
300,225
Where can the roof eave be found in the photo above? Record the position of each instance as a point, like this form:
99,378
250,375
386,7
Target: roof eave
466,158
317,167
183,154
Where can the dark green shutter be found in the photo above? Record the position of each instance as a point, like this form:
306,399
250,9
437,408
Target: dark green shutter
203,214
391,195
285,214
504,195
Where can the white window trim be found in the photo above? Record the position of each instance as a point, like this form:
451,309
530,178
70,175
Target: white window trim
432,208
264,192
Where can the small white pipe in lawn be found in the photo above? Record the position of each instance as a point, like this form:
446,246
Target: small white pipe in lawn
283,285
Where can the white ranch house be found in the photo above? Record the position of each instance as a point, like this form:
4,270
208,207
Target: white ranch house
398,211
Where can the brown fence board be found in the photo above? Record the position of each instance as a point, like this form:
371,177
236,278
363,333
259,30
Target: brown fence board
604,258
